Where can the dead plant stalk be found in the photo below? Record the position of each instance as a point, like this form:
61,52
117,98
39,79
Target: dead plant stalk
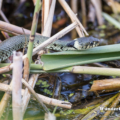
80,29
13,29
17,86
46,100
48,22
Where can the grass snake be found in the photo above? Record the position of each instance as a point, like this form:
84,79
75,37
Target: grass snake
17,42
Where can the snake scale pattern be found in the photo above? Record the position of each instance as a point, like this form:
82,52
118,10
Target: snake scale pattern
17,42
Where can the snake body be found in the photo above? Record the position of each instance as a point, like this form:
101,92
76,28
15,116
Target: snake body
17,42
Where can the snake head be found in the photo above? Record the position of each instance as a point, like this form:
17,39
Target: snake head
84,43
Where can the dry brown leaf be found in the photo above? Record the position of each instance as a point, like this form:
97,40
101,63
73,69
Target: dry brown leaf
114,5
108,84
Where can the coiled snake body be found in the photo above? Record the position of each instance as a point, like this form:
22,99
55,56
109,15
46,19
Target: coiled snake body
17,42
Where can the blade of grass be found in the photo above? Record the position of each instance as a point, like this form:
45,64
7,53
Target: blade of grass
111,20
33,30
57,62
84,70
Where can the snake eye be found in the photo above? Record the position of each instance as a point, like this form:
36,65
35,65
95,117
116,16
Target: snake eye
91,44
54,44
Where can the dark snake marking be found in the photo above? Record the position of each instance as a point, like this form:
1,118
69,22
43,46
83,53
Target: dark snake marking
17,42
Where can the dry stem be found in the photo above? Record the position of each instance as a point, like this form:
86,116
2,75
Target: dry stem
98,9
48,25
17,85
13,29
35,95
46,100
74,4
73,18
45,12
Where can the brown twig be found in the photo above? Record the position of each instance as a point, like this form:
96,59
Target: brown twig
4,102
107,84
6,69
97,5
27,94
45,12
35,95
83,12
26,69
74,4
91,13
80,29
5,19
46,100
48,22
13,29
